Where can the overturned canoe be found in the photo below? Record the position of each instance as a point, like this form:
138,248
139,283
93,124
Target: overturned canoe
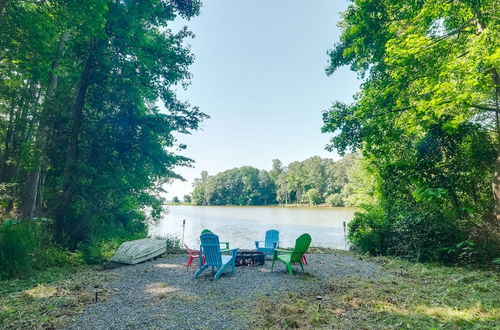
140,250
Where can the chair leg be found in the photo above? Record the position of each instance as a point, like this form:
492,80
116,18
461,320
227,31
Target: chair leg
301,266
200,271
304,260
190,261
220,271
272,265
289,266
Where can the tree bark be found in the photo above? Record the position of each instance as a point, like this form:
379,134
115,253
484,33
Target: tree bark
29,200
496,173
68,229
8,143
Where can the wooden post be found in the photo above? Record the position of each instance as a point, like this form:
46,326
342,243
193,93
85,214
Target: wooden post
183,228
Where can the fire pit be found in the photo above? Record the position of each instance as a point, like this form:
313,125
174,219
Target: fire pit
250,258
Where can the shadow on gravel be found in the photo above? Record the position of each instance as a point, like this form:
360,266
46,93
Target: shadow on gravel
163,294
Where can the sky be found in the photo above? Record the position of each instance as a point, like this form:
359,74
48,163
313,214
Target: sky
259,74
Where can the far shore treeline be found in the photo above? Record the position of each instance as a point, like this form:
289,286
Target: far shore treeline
313,181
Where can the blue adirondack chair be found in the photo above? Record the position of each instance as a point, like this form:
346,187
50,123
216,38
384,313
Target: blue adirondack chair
210,248
271,242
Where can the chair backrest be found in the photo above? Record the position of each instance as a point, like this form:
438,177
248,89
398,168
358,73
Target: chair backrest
206,231
272,239
190,251
301,245
210,247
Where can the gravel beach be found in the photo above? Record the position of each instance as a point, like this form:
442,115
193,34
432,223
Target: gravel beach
162,294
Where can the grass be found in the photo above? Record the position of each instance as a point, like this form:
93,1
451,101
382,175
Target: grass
50,298
416,296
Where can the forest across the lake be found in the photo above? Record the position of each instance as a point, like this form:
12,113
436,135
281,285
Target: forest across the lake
313,181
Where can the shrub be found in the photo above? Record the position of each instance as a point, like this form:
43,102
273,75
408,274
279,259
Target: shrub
19,243
335,200
367,229
313,196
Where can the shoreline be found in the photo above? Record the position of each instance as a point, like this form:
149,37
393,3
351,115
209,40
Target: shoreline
291,206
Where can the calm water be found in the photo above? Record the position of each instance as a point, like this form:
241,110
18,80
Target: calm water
241,226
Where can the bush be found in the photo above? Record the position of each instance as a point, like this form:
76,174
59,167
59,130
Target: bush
18,245
335,200
25,247
313,196
366,231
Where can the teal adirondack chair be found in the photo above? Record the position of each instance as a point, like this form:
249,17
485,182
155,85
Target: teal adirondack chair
210,248
226,244
292,256
271,242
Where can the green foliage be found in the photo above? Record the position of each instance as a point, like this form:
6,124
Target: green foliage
306,182
335,200
238,186
108,236
25,247
187,199
313,196
425,123
18,245
176,200
88,114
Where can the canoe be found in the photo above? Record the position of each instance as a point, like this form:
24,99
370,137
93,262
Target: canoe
140,250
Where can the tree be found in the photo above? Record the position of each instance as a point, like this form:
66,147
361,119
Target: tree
426,114
187,199
313,196
82,138
176,200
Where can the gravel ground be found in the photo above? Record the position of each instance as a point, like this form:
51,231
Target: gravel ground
162,294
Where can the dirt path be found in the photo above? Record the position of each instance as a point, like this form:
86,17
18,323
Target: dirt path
163,294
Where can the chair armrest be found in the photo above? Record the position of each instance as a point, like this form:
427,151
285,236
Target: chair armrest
226,244
257,244
234,252
282,251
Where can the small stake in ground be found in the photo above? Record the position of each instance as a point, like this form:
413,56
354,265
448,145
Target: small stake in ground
96,287
319,298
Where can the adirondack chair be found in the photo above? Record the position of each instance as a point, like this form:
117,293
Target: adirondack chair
210,248
193,254
271,242
208,231
289,257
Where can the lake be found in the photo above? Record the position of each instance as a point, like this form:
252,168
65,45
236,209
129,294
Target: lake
242,225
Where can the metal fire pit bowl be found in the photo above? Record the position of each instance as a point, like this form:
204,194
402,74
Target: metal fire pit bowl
250,258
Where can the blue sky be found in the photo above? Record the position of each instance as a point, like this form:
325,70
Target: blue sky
260,74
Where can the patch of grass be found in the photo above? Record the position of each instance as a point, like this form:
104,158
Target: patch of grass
50,298
417,296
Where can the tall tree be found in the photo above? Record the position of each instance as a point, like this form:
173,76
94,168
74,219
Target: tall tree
427,113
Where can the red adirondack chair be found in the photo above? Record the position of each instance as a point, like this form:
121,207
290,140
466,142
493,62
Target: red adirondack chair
193,254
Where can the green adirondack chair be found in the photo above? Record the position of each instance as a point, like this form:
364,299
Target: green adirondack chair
292,256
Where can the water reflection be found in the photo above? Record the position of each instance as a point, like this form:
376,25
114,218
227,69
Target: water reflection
241,226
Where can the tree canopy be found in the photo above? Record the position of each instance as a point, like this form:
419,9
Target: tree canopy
88,109
427,122
311,181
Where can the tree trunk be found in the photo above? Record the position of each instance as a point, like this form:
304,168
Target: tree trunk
8,143
33,178
496,187
496,173
69,229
